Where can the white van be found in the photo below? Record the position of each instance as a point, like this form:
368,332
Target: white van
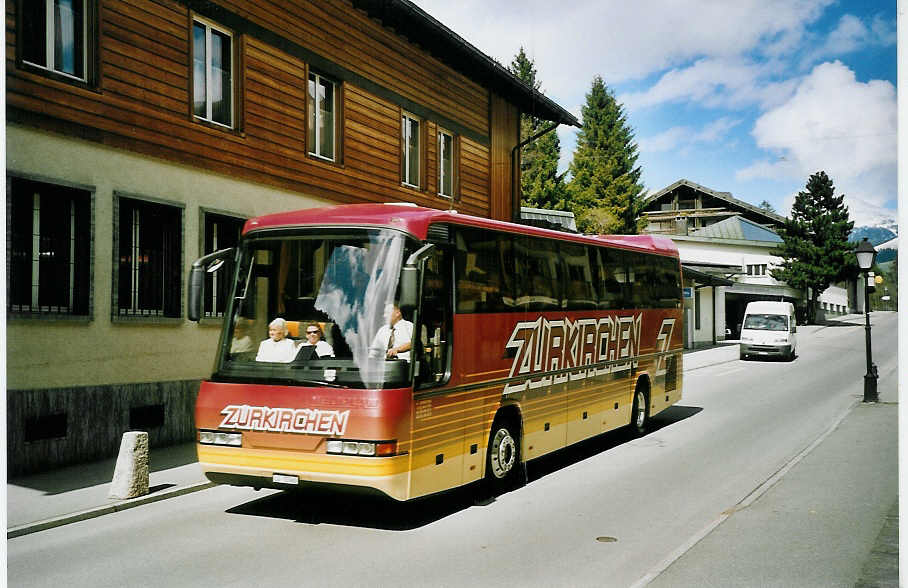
769,329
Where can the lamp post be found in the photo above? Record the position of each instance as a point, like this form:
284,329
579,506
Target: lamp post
866,255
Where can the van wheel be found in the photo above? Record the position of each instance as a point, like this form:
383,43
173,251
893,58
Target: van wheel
640,411
503,465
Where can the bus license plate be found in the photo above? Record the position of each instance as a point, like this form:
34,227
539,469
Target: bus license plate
284,479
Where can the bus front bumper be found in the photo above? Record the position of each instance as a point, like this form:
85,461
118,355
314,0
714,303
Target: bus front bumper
285,470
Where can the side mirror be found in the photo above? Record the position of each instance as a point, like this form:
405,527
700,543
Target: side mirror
409,278
208,264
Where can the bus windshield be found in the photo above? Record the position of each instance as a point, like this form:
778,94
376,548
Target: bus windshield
313,308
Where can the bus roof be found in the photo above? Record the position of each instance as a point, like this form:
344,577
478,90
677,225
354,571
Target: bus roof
416,220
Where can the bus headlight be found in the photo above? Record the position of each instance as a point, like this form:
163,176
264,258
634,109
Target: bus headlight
220,438
363,448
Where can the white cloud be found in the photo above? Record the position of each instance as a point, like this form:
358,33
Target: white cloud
852,34
832,121
621,40
683,136
839,125
717,83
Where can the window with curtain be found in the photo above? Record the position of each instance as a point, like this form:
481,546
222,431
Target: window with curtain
212,74
54,35
410,132
322,99
445,164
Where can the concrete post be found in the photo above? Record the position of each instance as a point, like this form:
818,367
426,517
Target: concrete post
130,478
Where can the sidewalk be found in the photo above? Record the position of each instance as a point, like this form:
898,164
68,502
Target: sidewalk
835,508
79,492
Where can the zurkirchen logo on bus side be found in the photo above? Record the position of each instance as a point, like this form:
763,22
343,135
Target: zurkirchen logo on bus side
543,345
285,420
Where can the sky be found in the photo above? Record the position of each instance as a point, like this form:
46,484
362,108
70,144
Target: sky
749,97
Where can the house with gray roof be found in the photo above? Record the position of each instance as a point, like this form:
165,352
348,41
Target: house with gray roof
726,247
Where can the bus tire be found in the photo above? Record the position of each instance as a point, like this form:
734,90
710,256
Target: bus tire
503,465
640,411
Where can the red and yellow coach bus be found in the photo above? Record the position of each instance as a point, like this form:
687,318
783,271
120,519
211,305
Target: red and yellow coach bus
522,341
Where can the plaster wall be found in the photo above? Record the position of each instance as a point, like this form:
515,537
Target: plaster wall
101,349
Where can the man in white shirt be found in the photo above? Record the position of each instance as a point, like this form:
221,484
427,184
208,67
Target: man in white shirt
277,347
394,339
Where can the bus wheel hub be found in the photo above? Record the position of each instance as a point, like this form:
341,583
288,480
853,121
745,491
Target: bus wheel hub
504,453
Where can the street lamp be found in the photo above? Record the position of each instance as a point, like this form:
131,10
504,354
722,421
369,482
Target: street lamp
866,254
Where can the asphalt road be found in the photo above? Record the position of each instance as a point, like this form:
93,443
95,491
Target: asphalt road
605,513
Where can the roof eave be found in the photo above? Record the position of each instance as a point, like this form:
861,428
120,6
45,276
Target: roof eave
410,21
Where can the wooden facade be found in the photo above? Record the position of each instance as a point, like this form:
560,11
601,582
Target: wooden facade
140,99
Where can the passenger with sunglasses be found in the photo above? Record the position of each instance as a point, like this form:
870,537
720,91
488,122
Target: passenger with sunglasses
315,338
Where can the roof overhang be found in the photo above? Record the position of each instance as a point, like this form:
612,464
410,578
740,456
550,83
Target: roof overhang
410,21
704,278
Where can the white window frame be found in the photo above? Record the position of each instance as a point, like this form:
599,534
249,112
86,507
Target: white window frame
406,163
442,174
209,26
49,36
316,131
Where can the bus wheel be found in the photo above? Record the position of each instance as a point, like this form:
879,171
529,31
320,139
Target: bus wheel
503,459
640,412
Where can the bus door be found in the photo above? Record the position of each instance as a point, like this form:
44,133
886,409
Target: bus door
438,426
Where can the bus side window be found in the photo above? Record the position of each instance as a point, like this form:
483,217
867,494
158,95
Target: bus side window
538,268
579,291
611,277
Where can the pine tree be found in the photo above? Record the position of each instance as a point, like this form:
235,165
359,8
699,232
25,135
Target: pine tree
541,185
815,250
765,205
605,191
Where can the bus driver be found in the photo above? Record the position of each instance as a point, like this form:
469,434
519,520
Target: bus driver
394,339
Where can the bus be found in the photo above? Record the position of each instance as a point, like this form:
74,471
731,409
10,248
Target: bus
522,341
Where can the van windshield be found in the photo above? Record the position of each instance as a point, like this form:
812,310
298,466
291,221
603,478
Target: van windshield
766,322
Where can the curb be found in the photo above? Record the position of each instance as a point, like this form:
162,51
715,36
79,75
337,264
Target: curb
92,513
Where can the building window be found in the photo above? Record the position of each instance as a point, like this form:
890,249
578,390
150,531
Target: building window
55,36
220,232
445,164
756,269
322,109
150,254
410,157
212,74
49,249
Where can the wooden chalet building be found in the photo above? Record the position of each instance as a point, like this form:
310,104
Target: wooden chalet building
140,135
686,206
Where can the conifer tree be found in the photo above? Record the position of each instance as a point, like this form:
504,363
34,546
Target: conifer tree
815,250
605,191
541,185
